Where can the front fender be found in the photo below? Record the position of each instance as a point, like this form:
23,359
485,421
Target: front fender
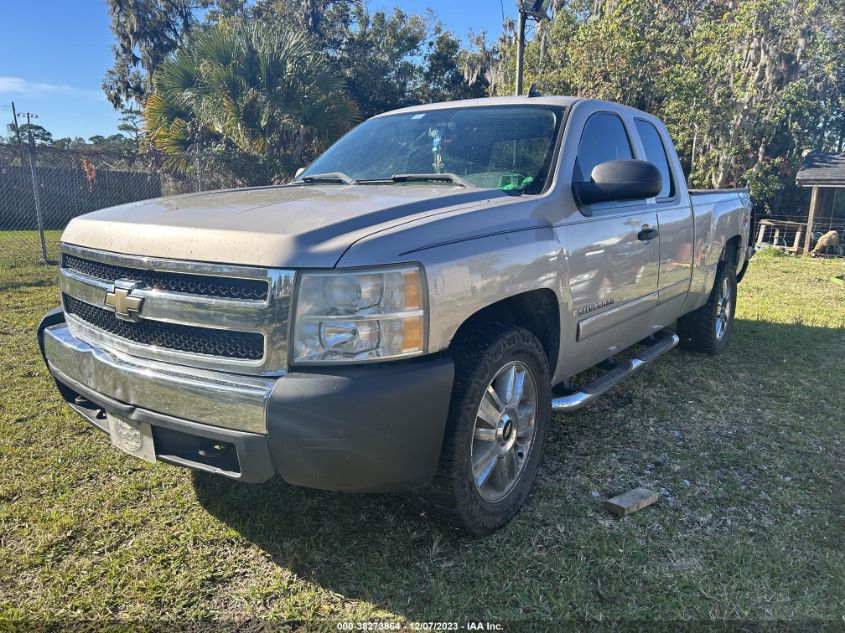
466,277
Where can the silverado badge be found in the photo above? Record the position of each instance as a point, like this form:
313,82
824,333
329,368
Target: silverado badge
120,299
594,306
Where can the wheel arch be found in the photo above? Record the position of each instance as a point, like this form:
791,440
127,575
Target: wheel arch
731,251
537,310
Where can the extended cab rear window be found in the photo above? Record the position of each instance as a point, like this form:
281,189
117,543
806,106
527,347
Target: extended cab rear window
655,153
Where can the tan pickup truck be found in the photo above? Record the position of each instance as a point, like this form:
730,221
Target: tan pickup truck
409,311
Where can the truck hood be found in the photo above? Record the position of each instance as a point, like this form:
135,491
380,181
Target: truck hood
284,226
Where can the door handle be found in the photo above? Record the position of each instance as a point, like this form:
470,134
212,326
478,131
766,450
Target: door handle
647,234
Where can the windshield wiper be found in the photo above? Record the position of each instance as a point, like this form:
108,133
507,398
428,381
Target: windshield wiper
447,177
337,177
450,178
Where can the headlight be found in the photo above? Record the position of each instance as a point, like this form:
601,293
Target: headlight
359,316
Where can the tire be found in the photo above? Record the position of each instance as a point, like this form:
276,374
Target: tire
708,329
488,464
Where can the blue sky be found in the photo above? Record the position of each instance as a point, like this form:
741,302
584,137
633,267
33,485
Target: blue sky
54,54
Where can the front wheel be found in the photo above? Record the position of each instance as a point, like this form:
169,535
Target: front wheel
496,431
709,328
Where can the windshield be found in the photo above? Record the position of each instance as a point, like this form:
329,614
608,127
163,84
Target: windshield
504,147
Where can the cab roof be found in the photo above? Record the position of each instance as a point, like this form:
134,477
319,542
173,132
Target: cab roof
550,100
487,101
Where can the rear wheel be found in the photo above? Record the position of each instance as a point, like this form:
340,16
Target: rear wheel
709,328
496,432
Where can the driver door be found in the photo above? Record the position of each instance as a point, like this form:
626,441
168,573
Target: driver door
612,261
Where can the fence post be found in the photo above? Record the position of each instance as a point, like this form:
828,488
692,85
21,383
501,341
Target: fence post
34,171
815,207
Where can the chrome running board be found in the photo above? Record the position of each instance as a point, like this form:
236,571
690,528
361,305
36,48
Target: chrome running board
569,398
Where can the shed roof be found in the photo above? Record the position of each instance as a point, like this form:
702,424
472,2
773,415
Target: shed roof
822,169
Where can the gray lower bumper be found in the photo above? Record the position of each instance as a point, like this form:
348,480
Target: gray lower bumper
366,428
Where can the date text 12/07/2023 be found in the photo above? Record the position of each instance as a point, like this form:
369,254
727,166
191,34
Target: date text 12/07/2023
475,625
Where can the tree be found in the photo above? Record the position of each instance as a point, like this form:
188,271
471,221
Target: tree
147,31
325,21
70,143
446,74
40,135
379,55
482,64
756,84
131,125
777,90
225,9
390,59
258,95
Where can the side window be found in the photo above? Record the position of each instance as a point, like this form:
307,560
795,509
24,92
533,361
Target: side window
603,139
655,153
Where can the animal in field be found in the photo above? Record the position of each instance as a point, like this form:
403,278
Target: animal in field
829,240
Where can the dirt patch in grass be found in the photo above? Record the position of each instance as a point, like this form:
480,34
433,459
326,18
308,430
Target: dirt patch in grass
746,451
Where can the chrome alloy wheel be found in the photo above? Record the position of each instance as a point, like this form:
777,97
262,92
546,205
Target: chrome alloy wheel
504,431
723,308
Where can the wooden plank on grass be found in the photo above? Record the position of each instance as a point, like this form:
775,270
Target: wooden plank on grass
631,501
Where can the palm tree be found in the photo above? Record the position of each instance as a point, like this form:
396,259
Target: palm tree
262,96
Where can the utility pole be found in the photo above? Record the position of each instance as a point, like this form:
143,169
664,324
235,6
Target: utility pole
34,172
520,52
527,9
17,131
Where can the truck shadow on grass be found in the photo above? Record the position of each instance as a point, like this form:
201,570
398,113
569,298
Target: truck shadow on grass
715,454
364,546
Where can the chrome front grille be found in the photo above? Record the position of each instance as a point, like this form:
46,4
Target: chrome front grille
212,316
184,338
203,285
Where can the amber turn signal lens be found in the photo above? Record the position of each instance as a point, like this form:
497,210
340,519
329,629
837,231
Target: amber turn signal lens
412,334
413,290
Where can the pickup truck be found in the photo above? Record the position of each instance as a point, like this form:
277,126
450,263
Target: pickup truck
407,313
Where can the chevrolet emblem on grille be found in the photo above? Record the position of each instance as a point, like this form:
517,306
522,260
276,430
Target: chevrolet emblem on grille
120,298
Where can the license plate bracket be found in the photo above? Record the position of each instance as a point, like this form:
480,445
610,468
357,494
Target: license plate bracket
135,438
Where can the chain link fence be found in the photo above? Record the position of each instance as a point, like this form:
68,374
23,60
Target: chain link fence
43,188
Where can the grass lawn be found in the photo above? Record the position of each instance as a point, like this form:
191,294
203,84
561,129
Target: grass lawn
22,249
746,451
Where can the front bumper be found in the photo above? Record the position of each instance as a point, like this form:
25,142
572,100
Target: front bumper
367,428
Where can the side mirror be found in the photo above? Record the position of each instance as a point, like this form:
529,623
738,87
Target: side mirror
617,180
298,173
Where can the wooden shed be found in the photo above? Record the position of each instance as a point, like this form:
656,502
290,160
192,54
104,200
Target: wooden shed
825,174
